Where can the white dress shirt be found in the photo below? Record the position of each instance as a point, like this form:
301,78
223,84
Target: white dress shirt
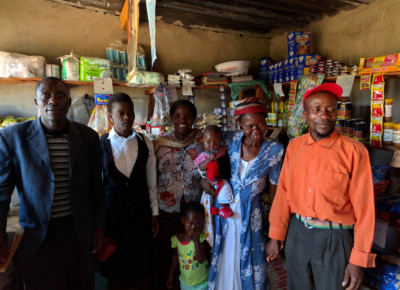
125,152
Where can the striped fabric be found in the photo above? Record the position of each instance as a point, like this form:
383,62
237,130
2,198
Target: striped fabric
58,150
250,106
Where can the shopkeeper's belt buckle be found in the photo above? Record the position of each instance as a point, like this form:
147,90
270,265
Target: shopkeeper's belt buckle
306,224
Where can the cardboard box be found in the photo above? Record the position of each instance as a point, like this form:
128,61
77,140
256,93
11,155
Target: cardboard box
298,43
308,59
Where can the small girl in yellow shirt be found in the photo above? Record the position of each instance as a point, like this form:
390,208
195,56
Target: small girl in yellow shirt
191,251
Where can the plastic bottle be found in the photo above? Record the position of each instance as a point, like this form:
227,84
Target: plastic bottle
282,116
388,110
396,135
273,115
387,133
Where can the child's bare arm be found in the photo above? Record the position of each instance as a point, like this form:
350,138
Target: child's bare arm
203,165
172,270
199,248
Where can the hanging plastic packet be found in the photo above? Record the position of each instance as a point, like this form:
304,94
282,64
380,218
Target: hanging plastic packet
365,81
377,110
133,29
297,124
100,120
292,95
161,106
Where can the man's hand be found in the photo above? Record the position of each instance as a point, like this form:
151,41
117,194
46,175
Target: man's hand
4,251
353,276
98,239
154,221
273,249
207,186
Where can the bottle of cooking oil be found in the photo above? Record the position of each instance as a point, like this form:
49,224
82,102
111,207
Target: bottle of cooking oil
273,113
281,116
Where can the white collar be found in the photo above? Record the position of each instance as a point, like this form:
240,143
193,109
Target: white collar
114,135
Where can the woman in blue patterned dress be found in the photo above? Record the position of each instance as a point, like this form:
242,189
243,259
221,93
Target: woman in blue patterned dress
238,258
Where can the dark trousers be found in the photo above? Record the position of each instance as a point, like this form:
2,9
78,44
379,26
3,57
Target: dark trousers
316,258
60,263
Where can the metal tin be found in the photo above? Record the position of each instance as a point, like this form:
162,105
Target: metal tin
340,126
348,127
344,110
359,128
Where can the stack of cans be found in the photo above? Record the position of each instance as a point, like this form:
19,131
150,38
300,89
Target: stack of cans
321,69
354,70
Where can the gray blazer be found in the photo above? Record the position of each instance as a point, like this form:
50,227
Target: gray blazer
25,163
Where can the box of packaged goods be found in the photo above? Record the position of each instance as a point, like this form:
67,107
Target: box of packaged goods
93,68
305,61
286,70
271,73
299,43
386,63
276,73
264,68
293,64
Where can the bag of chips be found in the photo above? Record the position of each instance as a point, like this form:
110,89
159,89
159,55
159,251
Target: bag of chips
297,124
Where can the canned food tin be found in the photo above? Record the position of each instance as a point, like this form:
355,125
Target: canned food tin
348,127
344,110
359,130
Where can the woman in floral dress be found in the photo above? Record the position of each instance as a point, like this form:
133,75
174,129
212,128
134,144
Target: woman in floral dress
178,181
238,258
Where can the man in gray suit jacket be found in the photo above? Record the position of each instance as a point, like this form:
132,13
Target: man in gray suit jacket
56,166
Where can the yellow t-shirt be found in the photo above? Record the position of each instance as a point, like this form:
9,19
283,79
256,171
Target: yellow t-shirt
192,272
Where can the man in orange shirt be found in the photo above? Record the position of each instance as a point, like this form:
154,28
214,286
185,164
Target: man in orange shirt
324,202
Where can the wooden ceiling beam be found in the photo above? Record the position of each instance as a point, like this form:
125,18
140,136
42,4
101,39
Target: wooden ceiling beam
219,13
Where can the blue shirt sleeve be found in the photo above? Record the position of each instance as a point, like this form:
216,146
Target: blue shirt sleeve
277,161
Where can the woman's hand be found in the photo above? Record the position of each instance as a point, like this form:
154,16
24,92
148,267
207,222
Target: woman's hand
207,186
155,225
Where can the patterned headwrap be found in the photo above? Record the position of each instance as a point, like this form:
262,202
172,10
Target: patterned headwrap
250,106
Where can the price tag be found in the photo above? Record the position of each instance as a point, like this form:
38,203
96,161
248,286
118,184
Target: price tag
103,86
187,91
346,82
278,89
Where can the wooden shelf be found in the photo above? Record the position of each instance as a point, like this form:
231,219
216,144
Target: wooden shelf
12,81
390,148
387,75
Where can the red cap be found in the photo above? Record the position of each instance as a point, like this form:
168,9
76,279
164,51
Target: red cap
332,88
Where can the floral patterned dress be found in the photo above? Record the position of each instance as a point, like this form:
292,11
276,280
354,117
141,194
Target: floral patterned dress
178,180
247,191
177,172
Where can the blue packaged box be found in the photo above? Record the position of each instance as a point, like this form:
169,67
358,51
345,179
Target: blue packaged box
299,43
280,67
271,73
308,59
286,70
293,75
263,68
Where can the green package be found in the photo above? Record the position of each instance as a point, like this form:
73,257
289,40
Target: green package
93,68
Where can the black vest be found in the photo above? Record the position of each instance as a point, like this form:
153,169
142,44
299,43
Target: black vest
126,196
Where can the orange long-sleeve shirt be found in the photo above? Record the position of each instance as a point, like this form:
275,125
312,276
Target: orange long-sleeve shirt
330,180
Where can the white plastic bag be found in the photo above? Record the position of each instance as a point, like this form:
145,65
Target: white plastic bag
15,65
